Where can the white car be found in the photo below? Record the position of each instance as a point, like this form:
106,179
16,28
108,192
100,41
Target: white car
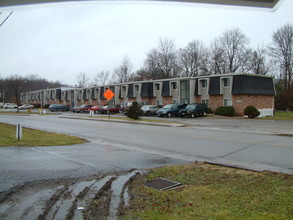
26,106
9,105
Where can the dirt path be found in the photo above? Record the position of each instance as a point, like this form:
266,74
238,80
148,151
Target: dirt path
95,197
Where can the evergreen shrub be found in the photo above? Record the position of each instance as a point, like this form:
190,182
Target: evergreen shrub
134,111
225,111
251,111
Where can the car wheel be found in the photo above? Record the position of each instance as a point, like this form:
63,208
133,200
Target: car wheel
148,113
192,115
169,114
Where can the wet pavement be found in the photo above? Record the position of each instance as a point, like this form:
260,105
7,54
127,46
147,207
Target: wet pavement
49,182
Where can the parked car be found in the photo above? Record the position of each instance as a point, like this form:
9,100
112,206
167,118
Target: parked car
58,107
149,110
9,105
125,105
171,110
26,106
96,108
84,108
75,108
107,109
192,110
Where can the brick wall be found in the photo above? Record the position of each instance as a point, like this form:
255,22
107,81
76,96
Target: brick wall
197,99
216,101
240,102
167,100
151,101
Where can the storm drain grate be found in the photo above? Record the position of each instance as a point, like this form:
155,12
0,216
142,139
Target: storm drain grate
162,184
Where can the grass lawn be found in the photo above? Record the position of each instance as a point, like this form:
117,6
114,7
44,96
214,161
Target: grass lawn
212,192
281,116
31,137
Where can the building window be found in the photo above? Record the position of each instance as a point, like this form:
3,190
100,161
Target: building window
206,101
226,82
204,83
123,88
227,102
157,86
174,85
136,88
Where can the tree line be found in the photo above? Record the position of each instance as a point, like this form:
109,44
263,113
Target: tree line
228,53
12,86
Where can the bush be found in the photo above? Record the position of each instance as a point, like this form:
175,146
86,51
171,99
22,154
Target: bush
210,111
46,106
220,110
134,111
229,111
225,111
251,111
37,105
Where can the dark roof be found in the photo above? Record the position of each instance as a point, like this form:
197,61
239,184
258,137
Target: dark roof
166,88
130,91
84,94
214,87
102,92
252,85
147,90
196,87
93,93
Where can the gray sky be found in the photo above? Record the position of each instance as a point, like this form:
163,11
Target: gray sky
58,41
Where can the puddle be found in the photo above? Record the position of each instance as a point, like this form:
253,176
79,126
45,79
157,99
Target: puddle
70,199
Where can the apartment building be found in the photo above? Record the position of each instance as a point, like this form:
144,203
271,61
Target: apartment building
237,90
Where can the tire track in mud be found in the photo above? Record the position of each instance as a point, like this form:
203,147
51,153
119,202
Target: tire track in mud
87,198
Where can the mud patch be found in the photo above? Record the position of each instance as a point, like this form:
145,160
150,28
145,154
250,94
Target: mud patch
95,197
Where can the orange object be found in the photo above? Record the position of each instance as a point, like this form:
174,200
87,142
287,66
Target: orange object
108,94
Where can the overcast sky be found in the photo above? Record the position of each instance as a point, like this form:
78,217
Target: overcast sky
58,41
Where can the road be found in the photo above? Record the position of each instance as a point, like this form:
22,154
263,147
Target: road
120,147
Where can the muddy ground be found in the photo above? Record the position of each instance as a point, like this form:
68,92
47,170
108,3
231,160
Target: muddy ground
94,197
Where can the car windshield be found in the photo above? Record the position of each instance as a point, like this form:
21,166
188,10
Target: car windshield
144,107
168,106
191,106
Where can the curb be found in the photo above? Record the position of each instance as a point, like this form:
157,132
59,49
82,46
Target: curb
126,121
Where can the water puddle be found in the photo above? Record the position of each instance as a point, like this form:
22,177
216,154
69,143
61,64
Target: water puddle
70,199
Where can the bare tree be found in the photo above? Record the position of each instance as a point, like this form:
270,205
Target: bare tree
217,61
162,62
257,63
193,59
82,80
122,73
15,85
167,60
152,68
102,78
229,52
282,51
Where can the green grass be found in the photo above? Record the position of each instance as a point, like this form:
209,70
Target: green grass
213,192
280,116
31,137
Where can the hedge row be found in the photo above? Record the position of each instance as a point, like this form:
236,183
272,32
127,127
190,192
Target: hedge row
225,111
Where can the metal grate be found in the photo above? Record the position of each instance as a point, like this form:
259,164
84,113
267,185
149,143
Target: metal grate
162,184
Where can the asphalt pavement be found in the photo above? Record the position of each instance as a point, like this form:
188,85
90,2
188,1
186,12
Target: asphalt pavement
246,143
